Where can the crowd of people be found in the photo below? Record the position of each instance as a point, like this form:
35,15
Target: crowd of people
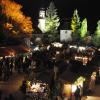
10,64
53,58
25,64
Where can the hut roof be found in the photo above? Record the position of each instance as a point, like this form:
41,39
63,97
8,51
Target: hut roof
7,50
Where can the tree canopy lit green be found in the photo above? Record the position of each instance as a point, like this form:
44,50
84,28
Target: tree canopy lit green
75,22
52,19
83,29
96,36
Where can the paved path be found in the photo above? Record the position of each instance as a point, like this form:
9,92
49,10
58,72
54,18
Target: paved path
91,98
12,85
97,91
95,95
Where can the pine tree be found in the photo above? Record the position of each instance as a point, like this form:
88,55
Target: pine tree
83,29
75,22
97,32
96,36
52,19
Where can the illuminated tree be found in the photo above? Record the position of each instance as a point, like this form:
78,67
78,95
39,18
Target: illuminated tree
96,36
75,22
52,19
52,23
16,24
83,29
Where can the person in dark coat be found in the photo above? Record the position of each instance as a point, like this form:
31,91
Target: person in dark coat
11,97
51,85
77,94
6,98
0,94
11,66
24,87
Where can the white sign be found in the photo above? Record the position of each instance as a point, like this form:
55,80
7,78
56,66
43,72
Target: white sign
65,35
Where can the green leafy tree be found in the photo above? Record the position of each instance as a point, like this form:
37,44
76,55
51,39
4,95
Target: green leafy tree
96,36
75,22
52,19
83,29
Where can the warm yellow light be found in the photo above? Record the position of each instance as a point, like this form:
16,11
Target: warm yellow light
67,90
11,54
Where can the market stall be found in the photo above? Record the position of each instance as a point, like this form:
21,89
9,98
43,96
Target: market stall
37,90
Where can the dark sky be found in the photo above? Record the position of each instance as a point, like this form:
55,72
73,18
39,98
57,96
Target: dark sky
86,8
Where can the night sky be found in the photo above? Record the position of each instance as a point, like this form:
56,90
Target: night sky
86,8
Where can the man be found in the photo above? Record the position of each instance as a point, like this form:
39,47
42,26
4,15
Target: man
77,94
55,72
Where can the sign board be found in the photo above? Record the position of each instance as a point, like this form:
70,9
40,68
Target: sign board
65,35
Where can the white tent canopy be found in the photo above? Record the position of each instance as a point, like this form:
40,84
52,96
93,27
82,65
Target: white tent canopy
57,44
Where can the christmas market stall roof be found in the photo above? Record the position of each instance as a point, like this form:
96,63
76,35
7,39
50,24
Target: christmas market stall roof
5,51
13,50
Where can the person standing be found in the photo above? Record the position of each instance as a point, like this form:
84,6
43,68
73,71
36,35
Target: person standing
11,97
81,91
55,72
24,87
0,95
51,85
77,94
11,66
